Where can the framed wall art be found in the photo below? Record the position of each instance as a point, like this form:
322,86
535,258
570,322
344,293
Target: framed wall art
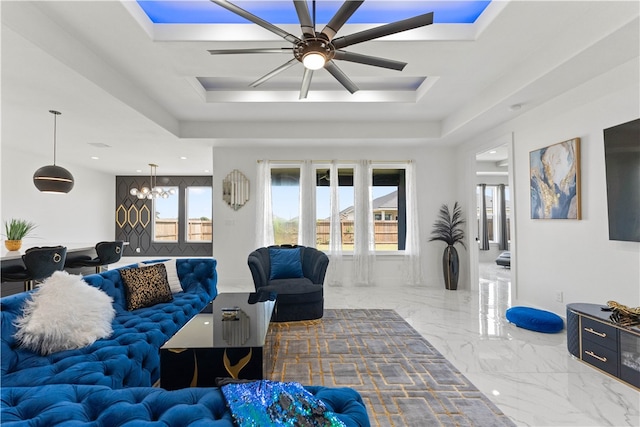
554,176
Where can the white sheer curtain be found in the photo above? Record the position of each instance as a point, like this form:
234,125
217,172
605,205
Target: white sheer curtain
307,209
334,271
412,270
264,214
364,242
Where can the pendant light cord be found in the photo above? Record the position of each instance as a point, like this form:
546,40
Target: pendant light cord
54,138
152,181
55,116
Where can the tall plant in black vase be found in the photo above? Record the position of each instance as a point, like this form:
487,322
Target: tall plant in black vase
448,228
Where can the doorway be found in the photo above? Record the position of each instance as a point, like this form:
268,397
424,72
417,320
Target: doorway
493,224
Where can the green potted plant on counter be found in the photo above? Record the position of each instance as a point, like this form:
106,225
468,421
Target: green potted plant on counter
448,228
15,231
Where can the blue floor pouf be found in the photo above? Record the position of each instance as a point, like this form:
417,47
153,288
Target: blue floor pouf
535,319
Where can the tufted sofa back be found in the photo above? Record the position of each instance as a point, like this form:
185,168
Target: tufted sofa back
195,274
101,406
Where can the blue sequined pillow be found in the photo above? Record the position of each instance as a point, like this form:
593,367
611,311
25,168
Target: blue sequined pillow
264,403
285,263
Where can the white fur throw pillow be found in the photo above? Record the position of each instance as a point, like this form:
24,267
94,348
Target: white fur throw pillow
172,274
64,313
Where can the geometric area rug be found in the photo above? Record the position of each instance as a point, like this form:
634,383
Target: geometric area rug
402,378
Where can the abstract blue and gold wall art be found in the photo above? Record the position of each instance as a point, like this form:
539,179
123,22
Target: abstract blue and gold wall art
555,181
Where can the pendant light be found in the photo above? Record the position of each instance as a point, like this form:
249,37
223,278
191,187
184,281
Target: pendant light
152,192
51,178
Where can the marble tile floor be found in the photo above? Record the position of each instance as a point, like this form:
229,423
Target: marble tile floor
530,376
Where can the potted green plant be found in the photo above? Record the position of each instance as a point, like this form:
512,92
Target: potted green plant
15,231
448,228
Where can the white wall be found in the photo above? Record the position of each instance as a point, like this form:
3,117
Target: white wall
234,231
84,215
573,256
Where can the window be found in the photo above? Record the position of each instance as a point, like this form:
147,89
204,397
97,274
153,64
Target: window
199,208
165,218
285,204
388,189
389,209
323,207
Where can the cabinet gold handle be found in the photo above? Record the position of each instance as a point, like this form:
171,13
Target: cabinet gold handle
600,334
592,354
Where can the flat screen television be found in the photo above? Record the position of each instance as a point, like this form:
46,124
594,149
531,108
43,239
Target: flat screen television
622,163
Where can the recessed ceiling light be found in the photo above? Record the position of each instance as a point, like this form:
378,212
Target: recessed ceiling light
95,158
492,152
138,170
99,144
206,171
183,158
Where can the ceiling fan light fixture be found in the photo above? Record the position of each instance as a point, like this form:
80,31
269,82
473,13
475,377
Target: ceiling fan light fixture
318,50
314,53
314,60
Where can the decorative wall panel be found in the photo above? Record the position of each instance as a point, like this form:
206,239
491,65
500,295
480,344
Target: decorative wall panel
134,220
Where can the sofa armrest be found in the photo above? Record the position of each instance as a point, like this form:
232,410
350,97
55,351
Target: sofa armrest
345,402
258,267
198,274
314,265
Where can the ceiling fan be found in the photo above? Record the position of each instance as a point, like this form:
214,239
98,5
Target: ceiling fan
316,50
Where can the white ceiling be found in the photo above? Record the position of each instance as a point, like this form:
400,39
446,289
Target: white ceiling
121,81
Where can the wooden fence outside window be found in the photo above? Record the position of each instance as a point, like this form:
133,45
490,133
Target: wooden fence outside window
197,230
286,232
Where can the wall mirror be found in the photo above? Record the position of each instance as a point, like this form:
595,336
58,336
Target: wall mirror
235,189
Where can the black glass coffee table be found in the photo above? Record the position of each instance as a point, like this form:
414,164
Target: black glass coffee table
229,338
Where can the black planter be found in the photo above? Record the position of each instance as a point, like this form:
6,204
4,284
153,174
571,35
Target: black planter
450,267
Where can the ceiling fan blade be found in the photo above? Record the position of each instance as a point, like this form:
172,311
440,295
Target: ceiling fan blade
343,14
306,23
254,50
384,30
341,77
275,72
306,83
256,20
369,60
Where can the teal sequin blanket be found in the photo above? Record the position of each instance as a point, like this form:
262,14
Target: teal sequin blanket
272,403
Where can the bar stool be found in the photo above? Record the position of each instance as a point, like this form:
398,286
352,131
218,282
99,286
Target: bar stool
108,253
40,263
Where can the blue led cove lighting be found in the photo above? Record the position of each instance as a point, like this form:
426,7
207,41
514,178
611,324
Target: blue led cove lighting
283,12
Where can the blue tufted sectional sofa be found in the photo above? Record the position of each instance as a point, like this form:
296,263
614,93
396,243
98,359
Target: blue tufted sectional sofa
109,383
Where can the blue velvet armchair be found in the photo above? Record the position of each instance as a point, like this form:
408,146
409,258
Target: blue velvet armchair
296,274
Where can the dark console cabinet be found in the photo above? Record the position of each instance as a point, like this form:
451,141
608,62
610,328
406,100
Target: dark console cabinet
595,339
